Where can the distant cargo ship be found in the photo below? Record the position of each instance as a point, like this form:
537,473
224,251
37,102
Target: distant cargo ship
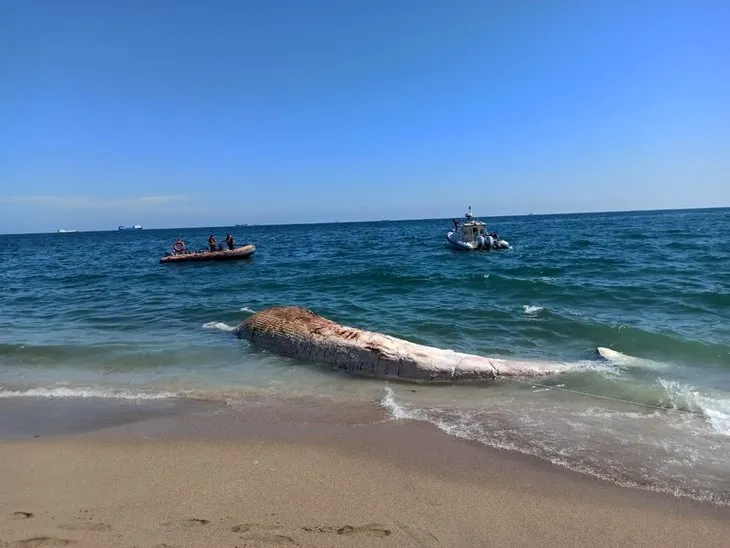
135,227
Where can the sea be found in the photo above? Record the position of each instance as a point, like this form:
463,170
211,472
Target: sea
95,315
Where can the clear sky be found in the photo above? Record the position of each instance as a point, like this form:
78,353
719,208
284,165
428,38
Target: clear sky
190,113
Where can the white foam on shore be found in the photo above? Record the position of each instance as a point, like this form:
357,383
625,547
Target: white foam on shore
220,326
85,392
247,309
471,425
713,406
396,410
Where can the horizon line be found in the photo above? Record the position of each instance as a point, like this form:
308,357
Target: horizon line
412,219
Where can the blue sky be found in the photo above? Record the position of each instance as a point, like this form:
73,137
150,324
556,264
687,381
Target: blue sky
171,113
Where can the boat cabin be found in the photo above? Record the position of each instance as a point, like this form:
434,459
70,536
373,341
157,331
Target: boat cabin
471,230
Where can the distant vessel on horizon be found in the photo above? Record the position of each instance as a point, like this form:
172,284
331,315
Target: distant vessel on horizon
135,227
62,230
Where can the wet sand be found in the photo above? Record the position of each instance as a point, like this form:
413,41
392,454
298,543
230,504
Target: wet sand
307,473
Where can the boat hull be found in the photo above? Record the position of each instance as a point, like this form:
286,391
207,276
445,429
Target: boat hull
457,243
236,254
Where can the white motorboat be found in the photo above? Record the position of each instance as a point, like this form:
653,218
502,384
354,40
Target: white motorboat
471,235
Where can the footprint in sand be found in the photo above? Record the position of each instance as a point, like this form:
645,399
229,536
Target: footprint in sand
371,529
265,538
22,515
246,527
315,529
97,527
192,522
258,533
41,542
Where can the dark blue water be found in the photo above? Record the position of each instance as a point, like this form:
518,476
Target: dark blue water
89,314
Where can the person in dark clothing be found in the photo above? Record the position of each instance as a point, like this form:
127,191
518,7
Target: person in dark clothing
212,242
229,241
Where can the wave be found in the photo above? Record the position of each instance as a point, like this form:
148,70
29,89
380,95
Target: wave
575,440
713,406
86,392
53,353
654,392
531,272
384,277
664,345
531,309
517,284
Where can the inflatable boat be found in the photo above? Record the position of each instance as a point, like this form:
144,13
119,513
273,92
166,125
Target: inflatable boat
235,254
472,235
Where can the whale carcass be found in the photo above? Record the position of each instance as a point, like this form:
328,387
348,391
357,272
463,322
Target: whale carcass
300,333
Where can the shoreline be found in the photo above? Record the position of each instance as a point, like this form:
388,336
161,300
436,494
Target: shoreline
310,473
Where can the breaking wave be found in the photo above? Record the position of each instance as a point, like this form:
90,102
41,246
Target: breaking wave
647,449
86,392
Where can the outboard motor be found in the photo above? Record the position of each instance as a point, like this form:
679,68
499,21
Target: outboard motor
480,242
490,242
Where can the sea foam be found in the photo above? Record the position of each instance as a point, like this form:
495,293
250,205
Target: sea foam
653,462
85,392
220,326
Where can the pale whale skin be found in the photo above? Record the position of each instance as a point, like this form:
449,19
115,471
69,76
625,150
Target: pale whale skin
296,332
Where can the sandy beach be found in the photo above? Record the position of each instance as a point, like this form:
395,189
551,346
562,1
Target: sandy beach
310,474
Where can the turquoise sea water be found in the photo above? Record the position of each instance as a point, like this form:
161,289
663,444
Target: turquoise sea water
95,315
